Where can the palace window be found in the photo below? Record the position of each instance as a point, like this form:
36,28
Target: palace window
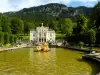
50,35
33,34
40,34
45,34
39,40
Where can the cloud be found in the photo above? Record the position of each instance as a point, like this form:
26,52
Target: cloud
4,5
14,5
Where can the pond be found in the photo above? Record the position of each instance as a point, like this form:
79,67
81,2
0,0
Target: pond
58,61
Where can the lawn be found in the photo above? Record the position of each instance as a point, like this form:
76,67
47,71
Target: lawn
25,37
59,35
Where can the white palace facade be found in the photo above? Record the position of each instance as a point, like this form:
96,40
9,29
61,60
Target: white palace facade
42,34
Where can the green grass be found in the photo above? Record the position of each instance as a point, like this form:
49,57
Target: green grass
25,37
59,35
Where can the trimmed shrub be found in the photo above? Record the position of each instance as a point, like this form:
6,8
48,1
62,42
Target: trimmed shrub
1,38
11,39
15,38
6,38
81,44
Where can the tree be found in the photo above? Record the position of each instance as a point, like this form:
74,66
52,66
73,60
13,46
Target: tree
1,38
15,38
5,23
95,17
67,26
81,24
74,27
17,26
0,22
11,39
92,36
81,44
27,27
53,24
6,38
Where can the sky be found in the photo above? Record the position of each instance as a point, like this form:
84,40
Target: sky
15,5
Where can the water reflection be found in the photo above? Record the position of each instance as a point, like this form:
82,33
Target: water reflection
43,62
56,62
31,57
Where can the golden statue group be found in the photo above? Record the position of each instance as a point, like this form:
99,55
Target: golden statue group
44,47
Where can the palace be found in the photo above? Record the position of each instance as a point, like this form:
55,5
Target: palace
42,34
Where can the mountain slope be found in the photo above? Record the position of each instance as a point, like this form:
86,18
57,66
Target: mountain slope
49,12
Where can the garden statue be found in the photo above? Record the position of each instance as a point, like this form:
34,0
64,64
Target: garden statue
44,47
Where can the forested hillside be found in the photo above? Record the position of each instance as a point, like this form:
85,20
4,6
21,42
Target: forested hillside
49,12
